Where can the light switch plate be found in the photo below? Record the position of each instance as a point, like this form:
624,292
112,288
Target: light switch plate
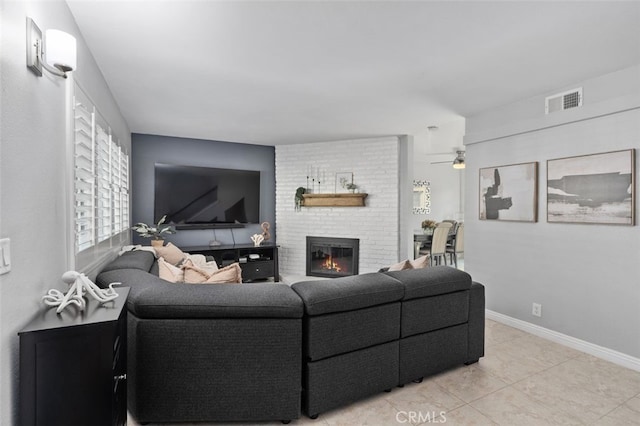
5,255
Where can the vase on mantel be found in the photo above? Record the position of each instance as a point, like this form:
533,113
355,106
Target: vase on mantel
428,231
157,243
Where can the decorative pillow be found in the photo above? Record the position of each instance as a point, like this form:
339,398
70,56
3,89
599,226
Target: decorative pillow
169,272
405,264
171,254
421,262
200,261
229,274
193,274
196,275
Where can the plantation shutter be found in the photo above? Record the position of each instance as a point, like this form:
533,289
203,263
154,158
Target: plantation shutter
83,173
103,187
124,188
116,177
101,177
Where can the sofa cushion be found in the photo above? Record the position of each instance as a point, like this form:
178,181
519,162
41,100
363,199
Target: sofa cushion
348,293
152,297
429,353
431,281
426,314
166,300
136,279
336,381
341,332
137,259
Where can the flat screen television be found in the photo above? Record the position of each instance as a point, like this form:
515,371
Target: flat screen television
193,196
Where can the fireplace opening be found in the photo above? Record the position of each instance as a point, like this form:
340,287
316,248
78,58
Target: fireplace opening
332,257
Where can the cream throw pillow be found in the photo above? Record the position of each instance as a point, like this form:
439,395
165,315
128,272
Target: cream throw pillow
171,254
401,266
231,274
169,272
421,262
196,275
200,261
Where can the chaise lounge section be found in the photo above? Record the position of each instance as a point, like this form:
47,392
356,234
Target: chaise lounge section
267,351
200,352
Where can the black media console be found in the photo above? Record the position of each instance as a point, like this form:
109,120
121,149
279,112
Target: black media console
256,262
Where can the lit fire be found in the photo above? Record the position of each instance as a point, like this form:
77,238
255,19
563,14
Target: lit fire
331,265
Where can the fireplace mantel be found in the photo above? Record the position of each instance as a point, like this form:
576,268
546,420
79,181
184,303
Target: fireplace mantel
334,200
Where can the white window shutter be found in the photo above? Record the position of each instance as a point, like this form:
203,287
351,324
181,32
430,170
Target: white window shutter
84,182
124,189
101,177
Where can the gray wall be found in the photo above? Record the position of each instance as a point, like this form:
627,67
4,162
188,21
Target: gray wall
150,149
585,276
34,206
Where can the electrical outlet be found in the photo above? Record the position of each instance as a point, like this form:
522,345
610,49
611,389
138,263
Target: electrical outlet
536,310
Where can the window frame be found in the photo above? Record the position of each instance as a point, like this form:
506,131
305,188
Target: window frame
93,211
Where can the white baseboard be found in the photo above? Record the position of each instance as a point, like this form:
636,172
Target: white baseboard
607,354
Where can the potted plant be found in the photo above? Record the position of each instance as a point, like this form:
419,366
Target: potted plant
352,187
153,232
428,226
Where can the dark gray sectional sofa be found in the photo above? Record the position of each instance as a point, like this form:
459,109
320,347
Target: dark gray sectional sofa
267,351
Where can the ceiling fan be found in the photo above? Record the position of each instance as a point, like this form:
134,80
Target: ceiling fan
458,162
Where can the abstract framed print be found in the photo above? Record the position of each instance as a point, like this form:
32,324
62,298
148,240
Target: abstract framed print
595,188
509,193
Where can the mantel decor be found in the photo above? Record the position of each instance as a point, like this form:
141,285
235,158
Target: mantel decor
334,200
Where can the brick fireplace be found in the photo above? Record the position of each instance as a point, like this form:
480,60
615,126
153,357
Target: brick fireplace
332,257
375,165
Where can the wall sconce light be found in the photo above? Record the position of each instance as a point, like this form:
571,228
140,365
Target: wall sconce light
60,56
458,162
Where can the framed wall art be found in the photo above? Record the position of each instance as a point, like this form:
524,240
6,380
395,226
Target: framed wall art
509,193
343,180
595,188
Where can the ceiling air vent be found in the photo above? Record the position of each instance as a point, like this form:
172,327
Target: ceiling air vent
565,100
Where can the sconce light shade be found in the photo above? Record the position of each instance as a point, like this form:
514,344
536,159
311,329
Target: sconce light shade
458,162
60,56
60,50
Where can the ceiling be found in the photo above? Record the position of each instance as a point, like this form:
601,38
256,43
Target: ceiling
277,72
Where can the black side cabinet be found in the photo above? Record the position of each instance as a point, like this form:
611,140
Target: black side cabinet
73,365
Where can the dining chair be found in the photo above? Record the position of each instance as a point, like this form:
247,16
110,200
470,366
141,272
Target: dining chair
454,226
438,249
458,245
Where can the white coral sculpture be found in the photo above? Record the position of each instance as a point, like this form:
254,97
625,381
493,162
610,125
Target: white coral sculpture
79,285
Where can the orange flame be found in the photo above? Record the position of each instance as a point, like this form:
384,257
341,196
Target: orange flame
331,265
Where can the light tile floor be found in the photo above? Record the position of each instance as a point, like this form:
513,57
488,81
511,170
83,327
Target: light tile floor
522,380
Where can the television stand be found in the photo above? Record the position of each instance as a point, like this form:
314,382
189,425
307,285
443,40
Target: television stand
257,263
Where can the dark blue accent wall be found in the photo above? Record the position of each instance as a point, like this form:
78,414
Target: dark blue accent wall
146,150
